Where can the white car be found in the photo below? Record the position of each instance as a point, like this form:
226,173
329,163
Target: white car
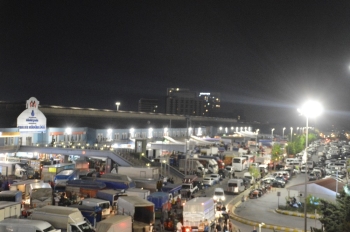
229,169
219,194
208,181
216,177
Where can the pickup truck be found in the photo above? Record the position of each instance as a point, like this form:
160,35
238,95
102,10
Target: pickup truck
188,187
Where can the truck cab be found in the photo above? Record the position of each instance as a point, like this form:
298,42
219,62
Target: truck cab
94,202
188,187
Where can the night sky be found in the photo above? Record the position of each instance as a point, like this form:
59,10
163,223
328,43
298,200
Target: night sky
265,57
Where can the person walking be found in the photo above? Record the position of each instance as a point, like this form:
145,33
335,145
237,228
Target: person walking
206,225
218,227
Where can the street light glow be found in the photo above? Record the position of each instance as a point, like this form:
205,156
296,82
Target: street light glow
311,109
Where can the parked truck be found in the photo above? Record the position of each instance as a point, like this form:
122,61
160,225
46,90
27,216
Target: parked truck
116,184
139,209
173,190
192,165
83,188
209,164
94,202
188,187
10,209
150,185
115,223
220,163
158,199
142,193
24,187
209,151
49,172
197,210
110,195
72,174
27,225
40,194
93,214
64,218
16,169
139,172
13,196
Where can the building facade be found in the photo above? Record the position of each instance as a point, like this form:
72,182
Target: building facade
148,105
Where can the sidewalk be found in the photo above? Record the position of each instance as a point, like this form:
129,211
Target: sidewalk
263,210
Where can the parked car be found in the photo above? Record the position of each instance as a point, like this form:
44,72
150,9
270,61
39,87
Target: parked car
274,182
216,177
229,170
313,176
208,181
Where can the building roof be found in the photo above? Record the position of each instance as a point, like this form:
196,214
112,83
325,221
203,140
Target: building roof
328,183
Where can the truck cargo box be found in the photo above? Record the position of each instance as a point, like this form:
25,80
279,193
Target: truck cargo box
158,199
115,223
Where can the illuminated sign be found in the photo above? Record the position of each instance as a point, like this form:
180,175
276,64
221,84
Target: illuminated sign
31,119
204,94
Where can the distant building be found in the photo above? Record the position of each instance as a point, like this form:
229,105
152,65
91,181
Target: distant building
186,102
148,105
211,103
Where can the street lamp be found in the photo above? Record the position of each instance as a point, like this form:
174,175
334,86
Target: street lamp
283,132
260,225
257,132
117,104
310,109
272,133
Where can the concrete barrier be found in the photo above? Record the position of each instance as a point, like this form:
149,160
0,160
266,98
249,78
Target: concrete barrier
297,214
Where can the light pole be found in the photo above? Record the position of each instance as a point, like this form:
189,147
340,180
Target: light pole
257,132
310,109
283,132
260,225
117,104
291,134
272,133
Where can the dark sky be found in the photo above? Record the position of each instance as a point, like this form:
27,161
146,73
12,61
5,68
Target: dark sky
266,57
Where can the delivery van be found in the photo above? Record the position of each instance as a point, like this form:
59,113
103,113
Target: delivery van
235,186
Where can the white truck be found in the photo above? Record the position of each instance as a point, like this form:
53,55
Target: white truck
10,210
115,223
139,172
40,194
24,187
94,202
64,218
139,209
142,193
188,187
192,165
27,225
19,170
196,210
210,151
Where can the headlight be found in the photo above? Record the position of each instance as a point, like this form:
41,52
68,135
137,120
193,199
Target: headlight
223,198
214,197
